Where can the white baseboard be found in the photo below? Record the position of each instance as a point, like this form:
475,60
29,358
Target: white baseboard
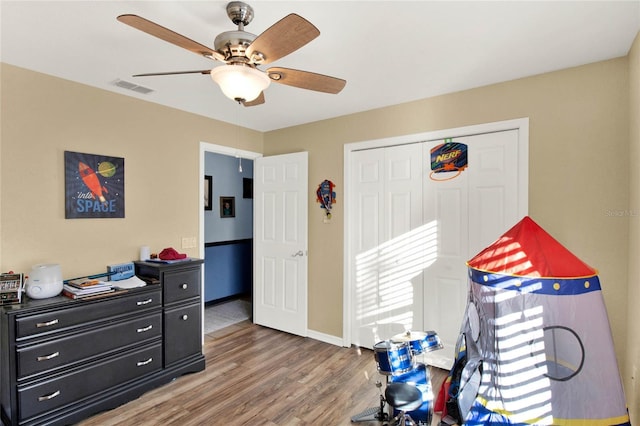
327,338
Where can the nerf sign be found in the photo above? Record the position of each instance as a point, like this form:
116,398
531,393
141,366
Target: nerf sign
449,157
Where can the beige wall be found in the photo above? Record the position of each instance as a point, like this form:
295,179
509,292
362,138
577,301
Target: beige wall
42,117
579,173
632,367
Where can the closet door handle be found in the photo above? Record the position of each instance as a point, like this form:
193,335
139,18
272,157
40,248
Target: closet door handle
298,253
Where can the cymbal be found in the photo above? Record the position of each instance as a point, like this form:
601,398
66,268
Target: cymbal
409,336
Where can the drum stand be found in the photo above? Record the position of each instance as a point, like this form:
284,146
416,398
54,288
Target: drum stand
374,413
401,397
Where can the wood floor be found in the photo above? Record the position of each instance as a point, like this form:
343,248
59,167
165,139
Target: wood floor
258,376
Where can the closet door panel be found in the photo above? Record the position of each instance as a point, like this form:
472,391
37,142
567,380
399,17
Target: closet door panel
388,215
446,204
366,226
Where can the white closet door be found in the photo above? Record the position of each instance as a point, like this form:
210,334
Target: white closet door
446,207
493,190
385,227
469,212
367,232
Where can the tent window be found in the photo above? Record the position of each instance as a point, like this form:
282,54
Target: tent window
564,353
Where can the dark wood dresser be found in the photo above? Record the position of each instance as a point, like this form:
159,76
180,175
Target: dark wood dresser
62,360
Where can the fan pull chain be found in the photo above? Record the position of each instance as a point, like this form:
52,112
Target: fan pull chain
238,138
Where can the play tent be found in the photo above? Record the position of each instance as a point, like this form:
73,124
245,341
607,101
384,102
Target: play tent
536,337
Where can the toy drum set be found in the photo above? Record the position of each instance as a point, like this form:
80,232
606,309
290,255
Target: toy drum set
397,359
399,355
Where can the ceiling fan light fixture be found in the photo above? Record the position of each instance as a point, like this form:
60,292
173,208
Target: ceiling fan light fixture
240,83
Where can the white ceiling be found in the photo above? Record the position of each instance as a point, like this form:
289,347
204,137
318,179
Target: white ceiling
389,52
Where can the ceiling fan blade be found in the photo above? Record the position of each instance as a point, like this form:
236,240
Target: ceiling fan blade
306,80
257,101
170,36
285,36
172,73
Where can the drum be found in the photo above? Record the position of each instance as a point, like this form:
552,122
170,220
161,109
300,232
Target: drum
420,378
393,358
419,342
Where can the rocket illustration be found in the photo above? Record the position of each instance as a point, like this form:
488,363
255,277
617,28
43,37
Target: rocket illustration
91,180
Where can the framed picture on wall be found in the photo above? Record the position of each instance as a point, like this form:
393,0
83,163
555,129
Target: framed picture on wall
94,186
247,188
208,193
227,206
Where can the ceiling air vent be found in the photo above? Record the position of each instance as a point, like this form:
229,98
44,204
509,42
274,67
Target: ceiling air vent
132,86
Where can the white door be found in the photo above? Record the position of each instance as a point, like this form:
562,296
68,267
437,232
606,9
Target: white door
470,211
280,242
386,231
402,270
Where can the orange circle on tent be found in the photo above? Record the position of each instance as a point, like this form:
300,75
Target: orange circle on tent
556,286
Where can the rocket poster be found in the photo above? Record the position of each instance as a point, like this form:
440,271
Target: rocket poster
94,186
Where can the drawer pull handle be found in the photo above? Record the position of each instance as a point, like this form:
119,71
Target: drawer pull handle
184,286
47,357
184,317
143,329
144,302
48,397
145,362
46,324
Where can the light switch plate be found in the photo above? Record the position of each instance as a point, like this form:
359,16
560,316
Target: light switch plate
188,242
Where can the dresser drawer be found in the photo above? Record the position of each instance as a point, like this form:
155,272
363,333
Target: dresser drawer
100,341
182,333
54,393
85,312
181,284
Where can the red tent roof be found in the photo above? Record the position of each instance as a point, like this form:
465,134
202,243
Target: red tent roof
528,250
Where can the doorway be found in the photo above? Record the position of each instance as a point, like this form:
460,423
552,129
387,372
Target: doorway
225,234
409,233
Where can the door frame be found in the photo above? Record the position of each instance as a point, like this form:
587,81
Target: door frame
216,149
519,124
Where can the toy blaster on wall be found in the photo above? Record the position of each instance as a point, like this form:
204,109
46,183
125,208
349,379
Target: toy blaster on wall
326,196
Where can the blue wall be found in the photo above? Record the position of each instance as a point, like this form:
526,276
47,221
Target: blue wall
227,182
228,270
228,266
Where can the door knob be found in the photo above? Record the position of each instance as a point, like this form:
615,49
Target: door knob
298,253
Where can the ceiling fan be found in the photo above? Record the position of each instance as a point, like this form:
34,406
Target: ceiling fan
240,78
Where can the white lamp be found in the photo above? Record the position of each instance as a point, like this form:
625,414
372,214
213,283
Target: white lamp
239,82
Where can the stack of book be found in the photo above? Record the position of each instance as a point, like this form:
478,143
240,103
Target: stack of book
84,287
